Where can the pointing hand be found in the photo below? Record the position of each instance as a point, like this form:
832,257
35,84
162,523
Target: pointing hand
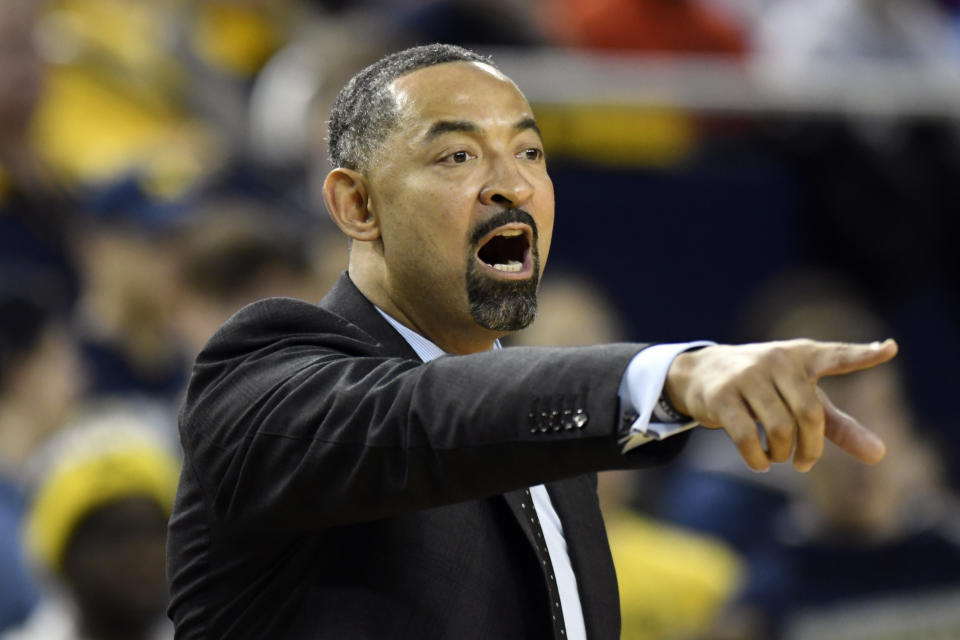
734,387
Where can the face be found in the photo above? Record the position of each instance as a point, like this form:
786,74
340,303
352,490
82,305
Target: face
50,379
114,565
464,203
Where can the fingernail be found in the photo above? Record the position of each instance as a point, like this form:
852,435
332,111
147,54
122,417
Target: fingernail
767,470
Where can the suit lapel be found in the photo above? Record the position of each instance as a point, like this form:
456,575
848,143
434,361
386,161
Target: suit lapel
576,504
521,507
345,300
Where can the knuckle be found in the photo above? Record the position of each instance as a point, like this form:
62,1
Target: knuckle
778,354
811,414
720,395
780,455
743,439
780,433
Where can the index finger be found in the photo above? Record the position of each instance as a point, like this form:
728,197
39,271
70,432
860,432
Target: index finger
837,358
847,433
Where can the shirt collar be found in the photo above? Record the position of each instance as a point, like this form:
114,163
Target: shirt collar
424,348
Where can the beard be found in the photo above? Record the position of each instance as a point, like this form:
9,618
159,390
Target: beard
503,305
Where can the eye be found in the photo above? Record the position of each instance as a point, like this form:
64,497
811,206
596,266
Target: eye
457,157
533,153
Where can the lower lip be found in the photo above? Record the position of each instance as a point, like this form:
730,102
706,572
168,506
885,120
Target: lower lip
523,274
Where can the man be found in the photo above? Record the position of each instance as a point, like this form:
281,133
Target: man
342,481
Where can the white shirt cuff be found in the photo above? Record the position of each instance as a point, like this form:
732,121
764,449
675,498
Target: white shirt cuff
640,390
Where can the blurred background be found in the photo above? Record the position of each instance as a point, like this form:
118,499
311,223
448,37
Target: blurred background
734,170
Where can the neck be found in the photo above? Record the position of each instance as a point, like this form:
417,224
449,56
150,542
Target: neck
457,343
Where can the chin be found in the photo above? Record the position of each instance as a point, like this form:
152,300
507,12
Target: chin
507,314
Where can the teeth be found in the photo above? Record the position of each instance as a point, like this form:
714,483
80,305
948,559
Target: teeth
512,267
510,233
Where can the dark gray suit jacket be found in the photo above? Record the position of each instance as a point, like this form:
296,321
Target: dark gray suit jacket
334,486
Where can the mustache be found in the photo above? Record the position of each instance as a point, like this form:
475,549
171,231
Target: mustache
502,217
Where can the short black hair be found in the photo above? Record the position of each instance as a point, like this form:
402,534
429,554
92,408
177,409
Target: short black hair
364,112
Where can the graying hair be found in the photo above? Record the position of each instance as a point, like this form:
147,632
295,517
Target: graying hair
364,112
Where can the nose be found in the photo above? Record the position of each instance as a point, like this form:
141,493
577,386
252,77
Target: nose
507,186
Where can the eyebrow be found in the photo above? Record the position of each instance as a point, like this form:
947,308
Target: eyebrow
528,123
448,126
464,126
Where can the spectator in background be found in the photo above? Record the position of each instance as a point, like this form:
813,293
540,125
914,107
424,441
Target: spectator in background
124,314
39,384
116,100
102,491
222,46
573,312
35,205
23,175
233,252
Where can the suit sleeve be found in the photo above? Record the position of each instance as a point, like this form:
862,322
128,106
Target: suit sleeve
290,424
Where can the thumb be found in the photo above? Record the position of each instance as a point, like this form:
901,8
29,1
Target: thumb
844,431
837,358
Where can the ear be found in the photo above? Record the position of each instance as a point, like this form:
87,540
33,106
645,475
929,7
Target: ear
345,194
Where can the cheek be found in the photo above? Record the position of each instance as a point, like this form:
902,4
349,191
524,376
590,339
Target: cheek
545,224
429,223
546,237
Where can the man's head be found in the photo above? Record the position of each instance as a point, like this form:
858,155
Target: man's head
442,185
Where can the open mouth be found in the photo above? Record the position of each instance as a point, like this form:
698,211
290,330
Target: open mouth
507,250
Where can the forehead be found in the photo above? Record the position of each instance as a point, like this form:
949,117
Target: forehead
462,91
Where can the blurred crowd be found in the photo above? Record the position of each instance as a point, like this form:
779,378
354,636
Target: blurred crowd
159,164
